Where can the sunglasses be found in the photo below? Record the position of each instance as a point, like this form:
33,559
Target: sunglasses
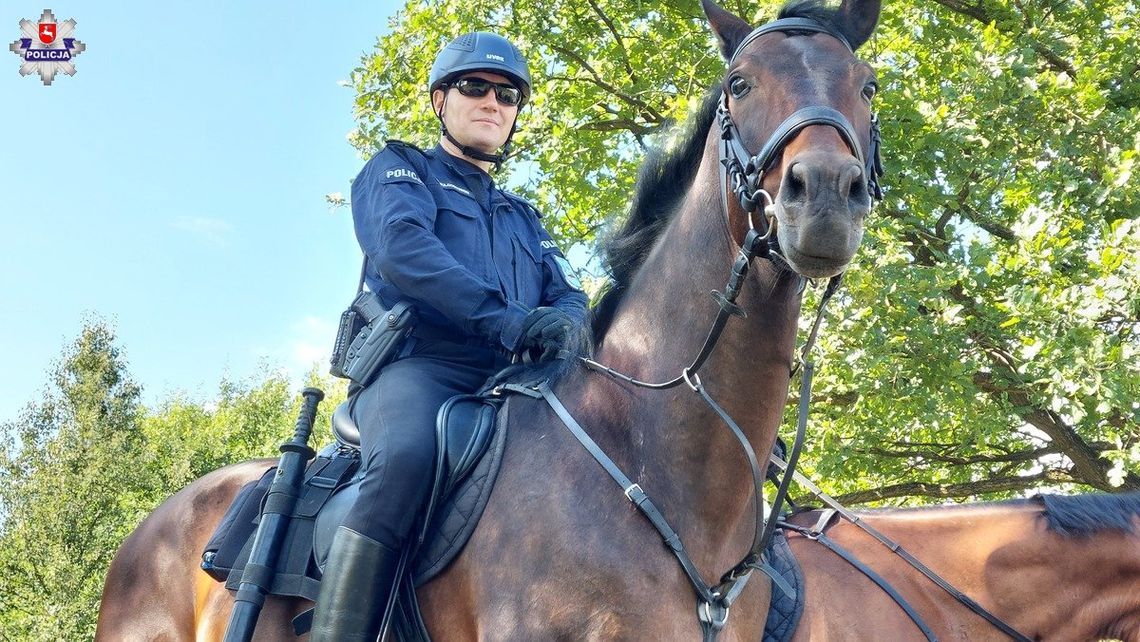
477,88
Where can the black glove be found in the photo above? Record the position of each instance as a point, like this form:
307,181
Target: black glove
545,330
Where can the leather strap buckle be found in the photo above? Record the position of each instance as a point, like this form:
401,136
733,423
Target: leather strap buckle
714,615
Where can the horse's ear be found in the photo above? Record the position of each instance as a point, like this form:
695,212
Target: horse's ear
729,29
861,16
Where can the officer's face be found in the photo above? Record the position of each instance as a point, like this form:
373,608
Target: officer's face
483,122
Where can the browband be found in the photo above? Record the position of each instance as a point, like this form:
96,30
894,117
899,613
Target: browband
789,24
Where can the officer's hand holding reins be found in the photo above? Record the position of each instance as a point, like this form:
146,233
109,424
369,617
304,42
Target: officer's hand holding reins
545,330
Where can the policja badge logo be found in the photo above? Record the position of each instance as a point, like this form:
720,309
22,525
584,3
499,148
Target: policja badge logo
48,47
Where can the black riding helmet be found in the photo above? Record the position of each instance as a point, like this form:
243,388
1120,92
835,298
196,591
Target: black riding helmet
480,51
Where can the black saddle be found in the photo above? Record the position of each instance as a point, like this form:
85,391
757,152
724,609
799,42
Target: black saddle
469,452
463,431
465,426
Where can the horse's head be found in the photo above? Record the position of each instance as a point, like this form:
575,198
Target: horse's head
797,117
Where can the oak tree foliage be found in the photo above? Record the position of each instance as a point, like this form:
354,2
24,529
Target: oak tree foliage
986,339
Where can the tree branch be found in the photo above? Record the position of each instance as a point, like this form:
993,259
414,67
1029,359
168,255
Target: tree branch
617,38
947,491
1088,465
1000,231
933,455
979,13
617,124
597,80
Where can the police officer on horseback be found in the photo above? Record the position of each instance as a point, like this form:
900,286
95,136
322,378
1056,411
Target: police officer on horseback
488,282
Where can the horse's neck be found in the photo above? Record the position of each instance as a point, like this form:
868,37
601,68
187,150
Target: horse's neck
671,440
1075,587
1046,585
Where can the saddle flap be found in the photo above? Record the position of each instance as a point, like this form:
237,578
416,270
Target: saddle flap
463,430
473,452
785,610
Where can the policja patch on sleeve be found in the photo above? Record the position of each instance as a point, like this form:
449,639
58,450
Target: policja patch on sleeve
568,273
401,174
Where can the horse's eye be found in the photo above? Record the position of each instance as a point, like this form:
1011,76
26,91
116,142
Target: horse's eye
869,90
739,87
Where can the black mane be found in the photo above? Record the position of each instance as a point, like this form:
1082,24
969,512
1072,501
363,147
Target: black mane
665,176
1081,515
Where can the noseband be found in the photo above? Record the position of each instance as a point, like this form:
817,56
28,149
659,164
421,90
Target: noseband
744,172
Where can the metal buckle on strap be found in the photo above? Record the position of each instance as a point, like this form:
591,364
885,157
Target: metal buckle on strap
821,524
715,618
695,377
629,491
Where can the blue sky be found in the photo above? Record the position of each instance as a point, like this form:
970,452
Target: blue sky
175,187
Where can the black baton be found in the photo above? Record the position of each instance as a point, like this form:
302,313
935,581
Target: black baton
257,578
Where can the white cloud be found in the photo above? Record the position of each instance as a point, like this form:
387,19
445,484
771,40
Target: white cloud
313,341
305,343
309,341
214,230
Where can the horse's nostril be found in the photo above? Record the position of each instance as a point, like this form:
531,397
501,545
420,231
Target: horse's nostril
796,180
799,173
856,187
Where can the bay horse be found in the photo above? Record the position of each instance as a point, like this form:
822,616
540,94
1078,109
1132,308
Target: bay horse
1063,568
560,553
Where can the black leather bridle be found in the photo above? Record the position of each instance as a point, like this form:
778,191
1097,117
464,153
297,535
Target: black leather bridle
743,173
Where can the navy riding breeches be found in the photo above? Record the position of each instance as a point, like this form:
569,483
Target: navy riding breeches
396,416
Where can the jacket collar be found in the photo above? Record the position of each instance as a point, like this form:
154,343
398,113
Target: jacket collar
461,166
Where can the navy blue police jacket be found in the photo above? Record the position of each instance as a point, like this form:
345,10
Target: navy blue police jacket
473,258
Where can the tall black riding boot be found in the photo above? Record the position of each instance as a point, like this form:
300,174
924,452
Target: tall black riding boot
359,577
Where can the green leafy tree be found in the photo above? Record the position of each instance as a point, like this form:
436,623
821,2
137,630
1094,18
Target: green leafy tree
989,339
70,476
986,341
247,420
84,465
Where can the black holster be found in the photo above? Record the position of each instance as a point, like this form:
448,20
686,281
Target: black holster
369,337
